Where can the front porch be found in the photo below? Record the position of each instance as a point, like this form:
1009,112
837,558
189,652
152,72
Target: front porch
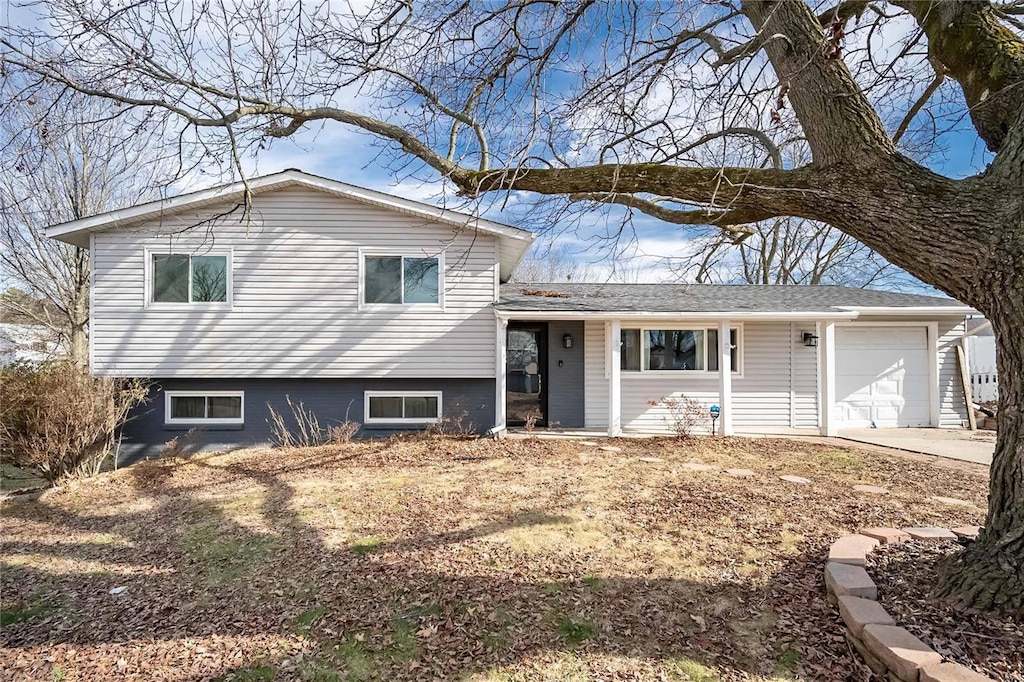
600,375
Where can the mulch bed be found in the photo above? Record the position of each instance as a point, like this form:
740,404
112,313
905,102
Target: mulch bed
512,560
906,575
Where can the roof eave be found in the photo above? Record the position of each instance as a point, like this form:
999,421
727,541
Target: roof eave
794,316
77,231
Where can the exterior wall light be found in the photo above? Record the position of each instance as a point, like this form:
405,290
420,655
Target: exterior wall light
566,340
810,340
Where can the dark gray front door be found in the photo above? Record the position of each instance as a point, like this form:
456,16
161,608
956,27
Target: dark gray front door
526,364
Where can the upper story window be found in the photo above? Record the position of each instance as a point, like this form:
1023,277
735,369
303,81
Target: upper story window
693,350
182,278
401,279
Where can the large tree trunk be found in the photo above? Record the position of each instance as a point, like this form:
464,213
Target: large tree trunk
989,574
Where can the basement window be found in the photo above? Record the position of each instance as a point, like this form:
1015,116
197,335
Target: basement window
208,407
402,407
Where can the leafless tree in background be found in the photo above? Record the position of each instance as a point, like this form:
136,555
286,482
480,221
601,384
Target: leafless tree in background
682,110
551,262
789,251
64,158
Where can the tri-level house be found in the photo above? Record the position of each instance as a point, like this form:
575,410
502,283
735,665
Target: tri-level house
387,312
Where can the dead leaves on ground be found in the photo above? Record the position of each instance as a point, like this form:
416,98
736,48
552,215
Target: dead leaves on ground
452,559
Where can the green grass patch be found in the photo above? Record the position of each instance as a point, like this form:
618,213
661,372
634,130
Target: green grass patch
591,581
37,606
256,673
575,631
221,559
787,662
683,668
494,641
403,645
365,546
305,621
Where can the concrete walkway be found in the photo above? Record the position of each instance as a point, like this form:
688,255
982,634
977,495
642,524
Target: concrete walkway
961,444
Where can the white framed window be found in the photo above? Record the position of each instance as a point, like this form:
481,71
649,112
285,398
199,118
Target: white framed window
395,278
693,349
204,407
401,407
201,279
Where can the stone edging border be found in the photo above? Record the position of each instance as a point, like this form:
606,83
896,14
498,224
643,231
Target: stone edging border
889,650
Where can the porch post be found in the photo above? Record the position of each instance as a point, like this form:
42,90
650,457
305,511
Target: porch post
828,378
614,346
500,374
725,378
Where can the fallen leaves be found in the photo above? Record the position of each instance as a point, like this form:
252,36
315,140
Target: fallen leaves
434,558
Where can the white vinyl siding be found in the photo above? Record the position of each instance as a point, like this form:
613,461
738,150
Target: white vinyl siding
295,305
595,383
779,373
952,405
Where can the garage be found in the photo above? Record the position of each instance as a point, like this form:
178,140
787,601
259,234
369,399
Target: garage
882,377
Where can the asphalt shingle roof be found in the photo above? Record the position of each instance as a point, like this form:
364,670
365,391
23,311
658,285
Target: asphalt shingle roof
704,298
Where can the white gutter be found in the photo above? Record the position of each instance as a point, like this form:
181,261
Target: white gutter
911,310
628,315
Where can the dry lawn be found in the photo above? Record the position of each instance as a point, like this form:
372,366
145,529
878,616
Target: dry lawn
444,559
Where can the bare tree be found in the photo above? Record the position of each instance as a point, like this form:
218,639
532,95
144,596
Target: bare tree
789,251
551,262
62,159
679,109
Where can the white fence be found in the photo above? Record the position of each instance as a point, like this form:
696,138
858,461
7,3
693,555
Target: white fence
981,359
984,386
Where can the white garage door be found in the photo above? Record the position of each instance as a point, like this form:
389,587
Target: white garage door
882,376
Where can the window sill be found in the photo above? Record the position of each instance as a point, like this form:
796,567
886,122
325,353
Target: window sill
400,307
398,426
189,306
204,426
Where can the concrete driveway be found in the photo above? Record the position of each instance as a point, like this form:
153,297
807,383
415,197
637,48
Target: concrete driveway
967,446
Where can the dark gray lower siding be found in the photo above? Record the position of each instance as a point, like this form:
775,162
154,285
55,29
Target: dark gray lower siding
332,400
565,381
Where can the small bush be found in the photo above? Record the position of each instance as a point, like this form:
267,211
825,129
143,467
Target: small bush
304,430
455,422
684,414
58,420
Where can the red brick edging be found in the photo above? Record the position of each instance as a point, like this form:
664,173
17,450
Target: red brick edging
889,650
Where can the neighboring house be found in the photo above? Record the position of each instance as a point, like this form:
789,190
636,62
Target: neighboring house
31,343
392,313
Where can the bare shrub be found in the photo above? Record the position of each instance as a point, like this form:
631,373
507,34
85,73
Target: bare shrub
343,433
58,420
684,414
531,419
182,446
303,429
454,423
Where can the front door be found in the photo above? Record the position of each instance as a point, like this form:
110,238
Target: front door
526,367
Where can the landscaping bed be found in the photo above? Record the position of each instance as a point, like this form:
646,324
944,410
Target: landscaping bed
474,560
988,643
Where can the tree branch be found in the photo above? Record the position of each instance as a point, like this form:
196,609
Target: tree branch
983,55
729,220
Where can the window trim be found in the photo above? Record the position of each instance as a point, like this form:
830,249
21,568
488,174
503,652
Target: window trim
168,419
403,254
737,371
228,253
367,419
